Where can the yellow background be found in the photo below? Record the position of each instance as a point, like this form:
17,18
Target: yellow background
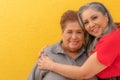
27,25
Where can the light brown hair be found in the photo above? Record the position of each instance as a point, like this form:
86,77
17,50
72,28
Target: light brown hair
68,16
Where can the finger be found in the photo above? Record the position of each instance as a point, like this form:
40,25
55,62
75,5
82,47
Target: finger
39,66
47,57
39,60
39,63
42,51
42,57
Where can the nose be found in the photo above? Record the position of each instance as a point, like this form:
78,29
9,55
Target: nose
91,24
74,36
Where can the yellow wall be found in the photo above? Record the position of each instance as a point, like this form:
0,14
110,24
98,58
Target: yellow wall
27,25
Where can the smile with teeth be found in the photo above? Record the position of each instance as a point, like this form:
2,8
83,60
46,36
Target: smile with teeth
95,29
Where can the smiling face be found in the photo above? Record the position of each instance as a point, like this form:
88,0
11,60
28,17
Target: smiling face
72,36
94,21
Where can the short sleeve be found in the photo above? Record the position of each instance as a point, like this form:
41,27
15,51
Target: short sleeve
107,49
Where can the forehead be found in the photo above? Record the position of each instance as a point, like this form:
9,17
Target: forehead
89,13
73,25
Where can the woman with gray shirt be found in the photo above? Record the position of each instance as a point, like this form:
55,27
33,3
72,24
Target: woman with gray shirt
69,50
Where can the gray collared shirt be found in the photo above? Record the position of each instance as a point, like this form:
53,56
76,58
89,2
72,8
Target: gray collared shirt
58,55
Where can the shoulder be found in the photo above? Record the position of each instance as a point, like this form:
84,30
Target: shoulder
107,42
118,25
49,49
112,36
52,49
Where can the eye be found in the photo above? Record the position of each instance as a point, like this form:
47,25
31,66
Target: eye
95,17
79,32
85,22
69,32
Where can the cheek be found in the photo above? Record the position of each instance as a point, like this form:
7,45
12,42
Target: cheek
87,28
103,22
65,38
82,39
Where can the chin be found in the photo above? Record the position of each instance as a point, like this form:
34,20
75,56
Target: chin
74,49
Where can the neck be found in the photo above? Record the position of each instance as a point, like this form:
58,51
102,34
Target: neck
71,53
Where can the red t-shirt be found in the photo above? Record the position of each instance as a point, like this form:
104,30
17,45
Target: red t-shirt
108,54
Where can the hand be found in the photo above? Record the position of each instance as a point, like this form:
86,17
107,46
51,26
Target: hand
42,51
45,63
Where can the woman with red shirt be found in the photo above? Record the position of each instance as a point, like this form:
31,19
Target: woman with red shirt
102,41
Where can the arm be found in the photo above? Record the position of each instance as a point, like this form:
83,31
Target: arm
36,73
90,68
31,75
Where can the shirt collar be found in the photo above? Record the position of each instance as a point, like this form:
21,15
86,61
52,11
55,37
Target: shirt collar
59,50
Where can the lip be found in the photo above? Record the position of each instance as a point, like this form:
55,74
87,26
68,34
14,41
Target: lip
95,30
74,42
